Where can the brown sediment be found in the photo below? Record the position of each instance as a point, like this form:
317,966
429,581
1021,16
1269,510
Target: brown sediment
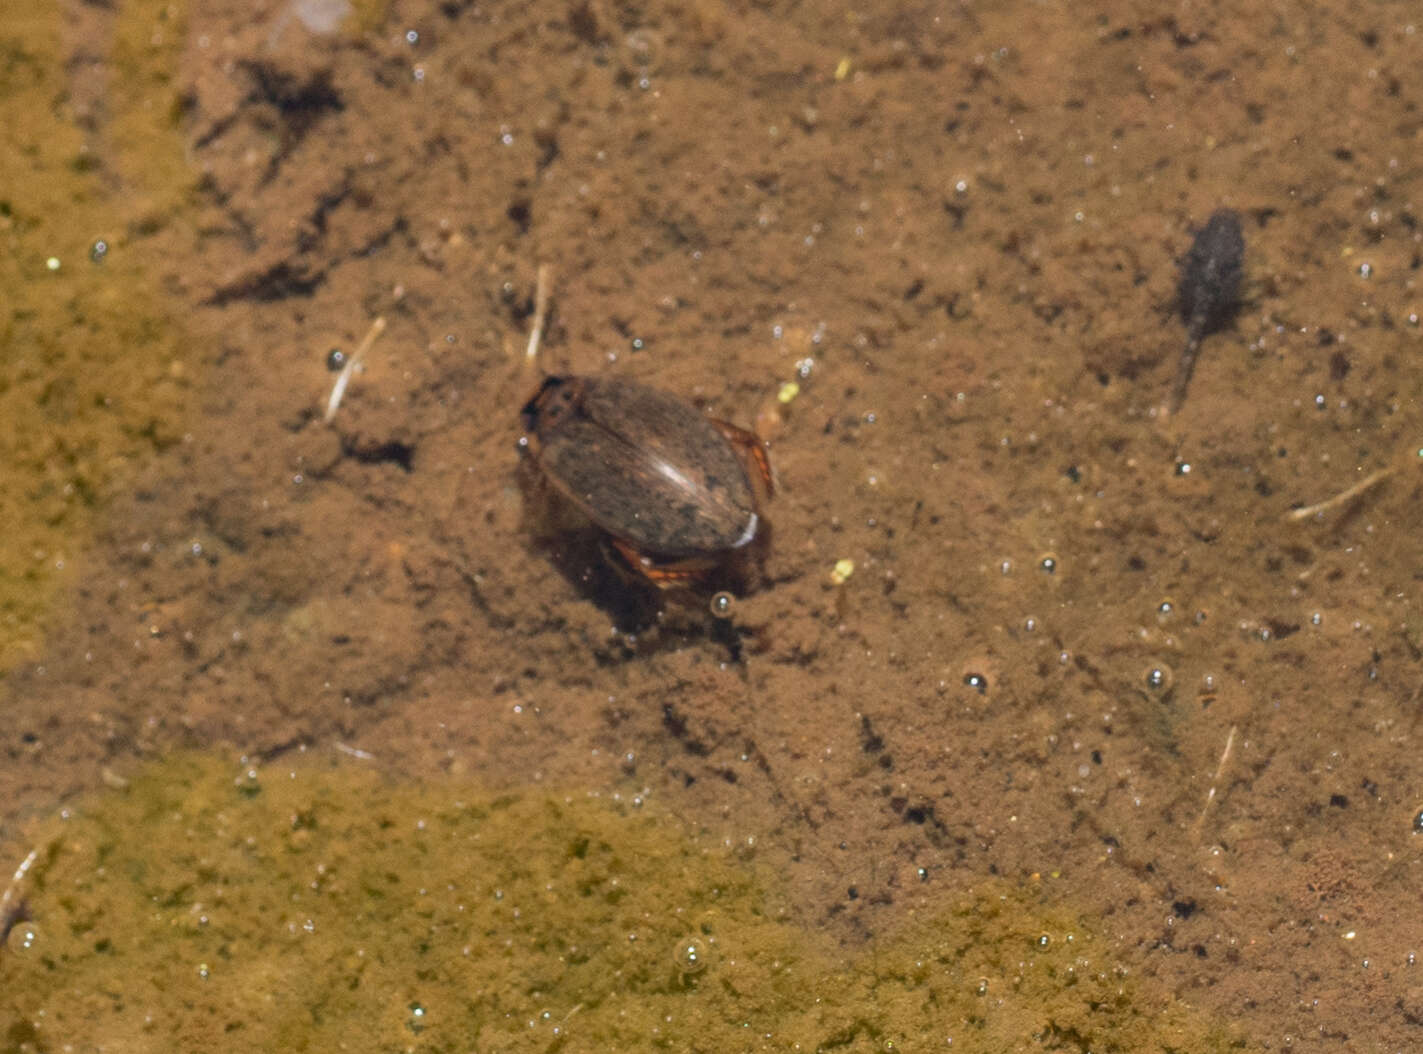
956,231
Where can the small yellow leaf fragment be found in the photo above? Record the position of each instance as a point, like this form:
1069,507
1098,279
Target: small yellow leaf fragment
842,570
842,69
788,391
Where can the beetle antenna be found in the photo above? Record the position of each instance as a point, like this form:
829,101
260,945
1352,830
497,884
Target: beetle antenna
536,330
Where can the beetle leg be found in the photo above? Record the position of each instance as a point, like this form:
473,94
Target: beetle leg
664,574
753,454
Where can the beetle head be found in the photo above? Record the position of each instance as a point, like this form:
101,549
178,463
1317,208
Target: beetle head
555,397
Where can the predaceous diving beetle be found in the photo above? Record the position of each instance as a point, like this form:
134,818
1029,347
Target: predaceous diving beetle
678,494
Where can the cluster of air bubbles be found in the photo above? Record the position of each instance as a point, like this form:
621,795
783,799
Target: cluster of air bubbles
641,55
690,956
24,937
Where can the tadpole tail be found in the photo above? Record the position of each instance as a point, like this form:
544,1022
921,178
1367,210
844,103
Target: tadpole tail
1184,369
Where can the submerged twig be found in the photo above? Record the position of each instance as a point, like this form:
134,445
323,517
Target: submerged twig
344,377
1215,783
536,328
12,902
1414,455
1343,497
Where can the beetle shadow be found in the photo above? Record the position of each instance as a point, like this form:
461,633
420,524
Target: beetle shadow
650,617
580,552
582,556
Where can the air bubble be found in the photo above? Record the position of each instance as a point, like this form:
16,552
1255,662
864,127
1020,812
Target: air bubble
1159,678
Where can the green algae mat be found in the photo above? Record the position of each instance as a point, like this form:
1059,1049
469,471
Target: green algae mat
207,907
92,369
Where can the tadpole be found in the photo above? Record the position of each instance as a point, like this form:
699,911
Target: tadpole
1208,290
